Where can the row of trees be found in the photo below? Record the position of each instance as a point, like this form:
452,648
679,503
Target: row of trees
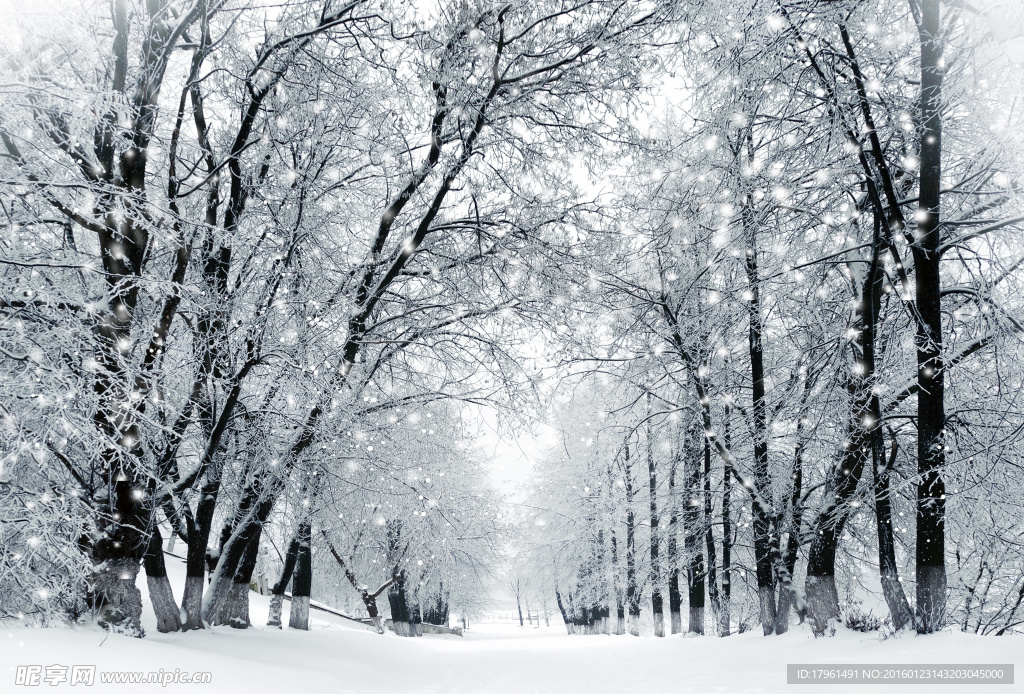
808,300
249,254
256,258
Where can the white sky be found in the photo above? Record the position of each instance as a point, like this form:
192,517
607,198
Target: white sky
511,455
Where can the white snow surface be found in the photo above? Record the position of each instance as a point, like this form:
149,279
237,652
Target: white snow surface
492,657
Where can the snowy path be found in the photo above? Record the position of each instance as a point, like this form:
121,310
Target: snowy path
492,657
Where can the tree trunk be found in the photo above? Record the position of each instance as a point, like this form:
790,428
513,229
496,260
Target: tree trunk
675,599
279,588
931,415
692,533
198,539
709,537
298,614
561,609
122,545
121,603
235,610
787,592
863,431
724,615
765,541
400,616
632,589
415,620
237,559
436,611
600,605
370,602
620,610
652,477
168,617
820,587
892,588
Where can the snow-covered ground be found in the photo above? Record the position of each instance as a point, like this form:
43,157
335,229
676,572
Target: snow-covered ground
491,657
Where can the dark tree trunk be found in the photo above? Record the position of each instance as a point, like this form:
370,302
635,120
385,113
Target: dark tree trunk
236,611
600,605
279,588
931,415
620,609
437,610
892,588
228,600
725,616
692,531
709,537
561,609
652,477
675,598
168,618
400,613
415,619
198,539
787,591
632,589
398,593
298,614
765,540
121,391
863,438
820,588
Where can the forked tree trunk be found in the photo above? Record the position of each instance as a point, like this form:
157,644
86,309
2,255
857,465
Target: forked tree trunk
862,425
892,587
237,559
279,588
198,539
168,617
235,611
298,614
787,589
120,148
820,587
